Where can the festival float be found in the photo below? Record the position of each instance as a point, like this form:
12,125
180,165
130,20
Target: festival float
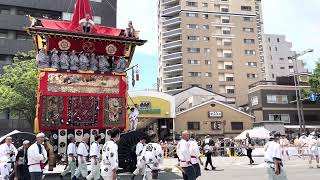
83,80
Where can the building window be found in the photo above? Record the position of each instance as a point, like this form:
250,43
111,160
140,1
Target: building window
281,59
250,52
206,27
207,50
205,16
67,16
236,126
193,38
209,86
278,40
224,9
4,11
282,67
247,19
192,4
230,91
216,125
269,48
269,39
194,74
276,49
208,74
291,69
206,39
229,79
248,41
228,66
192,26
246,8
193,125
204,4
272,75
279,117
254,101
97,19
193,50
226,31
3,34
277,99
23,36
207,62
252,76
193,61
225,20
271,66
194,85
248,30
192,14
251,64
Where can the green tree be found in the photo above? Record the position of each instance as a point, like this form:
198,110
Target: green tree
18,86
315,79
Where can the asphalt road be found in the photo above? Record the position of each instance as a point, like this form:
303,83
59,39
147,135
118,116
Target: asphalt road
237,169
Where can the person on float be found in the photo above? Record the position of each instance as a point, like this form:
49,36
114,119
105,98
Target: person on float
86,24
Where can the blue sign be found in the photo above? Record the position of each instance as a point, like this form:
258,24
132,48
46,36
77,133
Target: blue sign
313,97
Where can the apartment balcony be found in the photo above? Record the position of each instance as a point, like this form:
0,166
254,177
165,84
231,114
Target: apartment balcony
174,80
219,2
171,22
171,45
171,11
173,89
172,68
220,24
173,56
172,33
221,35
169,2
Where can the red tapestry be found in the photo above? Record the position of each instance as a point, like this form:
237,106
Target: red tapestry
88,46
81,101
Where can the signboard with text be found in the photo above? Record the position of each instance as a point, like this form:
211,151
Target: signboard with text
215,114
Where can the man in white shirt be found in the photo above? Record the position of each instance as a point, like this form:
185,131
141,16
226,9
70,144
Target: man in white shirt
8,155
185,157
37,156
133,117
72,155
86,24
139,149
313,150
284,143
95,158
273,159
82,153
195,155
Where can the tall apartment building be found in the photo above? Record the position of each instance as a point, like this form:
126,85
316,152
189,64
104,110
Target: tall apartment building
13,38
13,20
278,57
213,44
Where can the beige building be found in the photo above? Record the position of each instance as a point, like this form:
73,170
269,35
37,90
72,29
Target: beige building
213,44
213,118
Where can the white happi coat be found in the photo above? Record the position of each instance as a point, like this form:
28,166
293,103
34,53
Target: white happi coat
109,158
35,157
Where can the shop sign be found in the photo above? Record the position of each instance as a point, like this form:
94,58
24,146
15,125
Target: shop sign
215,114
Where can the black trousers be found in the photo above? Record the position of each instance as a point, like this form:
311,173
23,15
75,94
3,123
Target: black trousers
189,173
249,154
208,160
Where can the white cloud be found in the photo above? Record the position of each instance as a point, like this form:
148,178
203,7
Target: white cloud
143,14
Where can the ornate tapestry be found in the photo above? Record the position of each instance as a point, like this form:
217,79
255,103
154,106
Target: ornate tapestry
52,111
83,83
113,114
83,111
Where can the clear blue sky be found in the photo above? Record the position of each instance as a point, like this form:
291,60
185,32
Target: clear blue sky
298,20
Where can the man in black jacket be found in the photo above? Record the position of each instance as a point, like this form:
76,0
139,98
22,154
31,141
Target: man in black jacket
22,171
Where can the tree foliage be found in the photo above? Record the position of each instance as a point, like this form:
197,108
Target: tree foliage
315,79
18,86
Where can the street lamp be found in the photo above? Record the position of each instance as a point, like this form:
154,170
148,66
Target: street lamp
298,90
